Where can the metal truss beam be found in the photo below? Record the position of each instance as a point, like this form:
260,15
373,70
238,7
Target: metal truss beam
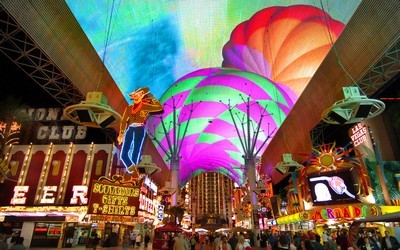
317,134
18,46
383,70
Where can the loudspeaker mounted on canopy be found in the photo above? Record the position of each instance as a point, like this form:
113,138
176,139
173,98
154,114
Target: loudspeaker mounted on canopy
288,165
167,189
93,112
145,168
354,108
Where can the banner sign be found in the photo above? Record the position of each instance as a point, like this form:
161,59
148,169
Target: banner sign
160,214
114,197
345,212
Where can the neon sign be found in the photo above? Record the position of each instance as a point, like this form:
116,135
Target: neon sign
51,131
150,184
48,194
146,204
340,212
19,195
112,199
79,193
160,215
358,134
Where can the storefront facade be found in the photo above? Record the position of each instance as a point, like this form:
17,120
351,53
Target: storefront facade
46,197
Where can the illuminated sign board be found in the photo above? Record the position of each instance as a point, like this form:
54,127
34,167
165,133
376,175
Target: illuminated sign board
160,214
61,132
150,184
358,134
344,212
52,126
79,193
55,132
113,199
146,204
48,194
19,195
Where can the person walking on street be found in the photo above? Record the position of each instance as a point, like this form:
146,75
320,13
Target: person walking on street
202,242
133,239
138,240
96,241
180,243
240,243
217,242
193,242
224,244
19,244
126,240
233,240
366,245
3,242
146,239
317,244
389,242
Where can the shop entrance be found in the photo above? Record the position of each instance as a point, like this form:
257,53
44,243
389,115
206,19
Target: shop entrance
46,234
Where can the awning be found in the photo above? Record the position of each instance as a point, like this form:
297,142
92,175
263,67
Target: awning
298,217
389,209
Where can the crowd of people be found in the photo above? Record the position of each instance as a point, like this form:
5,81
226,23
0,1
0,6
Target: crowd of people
132,239
11,242
326,241
371,240
217,241
286,241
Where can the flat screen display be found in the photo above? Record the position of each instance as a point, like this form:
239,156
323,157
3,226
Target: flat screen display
332,187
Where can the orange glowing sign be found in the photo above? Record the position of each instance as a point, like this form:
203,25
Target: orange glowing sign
113,199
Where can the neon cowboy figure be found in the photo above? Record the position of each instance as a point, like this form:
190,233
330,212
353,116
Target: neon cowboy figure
132,130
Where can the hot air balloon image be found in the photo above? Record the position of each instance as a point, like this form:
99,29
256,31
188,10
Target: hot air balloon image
283,44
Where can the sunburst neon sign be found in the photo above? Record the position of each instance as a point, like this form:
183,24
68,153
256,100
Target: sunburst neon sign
328,157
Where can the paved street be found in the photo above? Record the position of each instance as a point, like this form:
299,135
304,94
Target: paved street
120,248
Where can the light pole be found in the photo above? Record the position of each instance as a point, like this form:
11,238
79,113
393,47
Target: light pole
248,135
174,145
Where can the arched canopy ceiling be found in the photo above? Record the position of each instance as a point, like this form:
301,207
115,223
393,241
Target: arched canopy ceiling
177,48
154,43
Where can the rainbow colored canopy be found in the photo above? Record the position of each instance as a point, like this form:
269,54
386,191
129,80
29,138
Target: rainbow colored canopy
200,102
272,52
155,42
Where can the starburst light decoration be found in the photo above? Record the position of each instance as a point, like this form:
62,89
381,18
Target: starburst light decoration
327,158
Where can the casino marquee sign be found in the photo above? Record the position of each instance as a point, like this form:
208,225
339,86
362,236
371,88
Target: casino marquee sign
114,197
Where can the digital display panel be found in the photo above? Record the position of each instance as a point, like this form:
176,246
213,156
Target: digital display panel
332,187
178,53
